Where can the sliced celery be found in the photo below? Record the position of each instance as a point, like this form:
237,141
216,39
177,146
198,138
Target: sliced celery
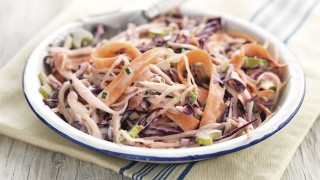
223,67
204,141
162,32
206,136
192,98
255,109
45,89
81,37
134,131
252,62
267,84
274,88
102,42
44,92
42,78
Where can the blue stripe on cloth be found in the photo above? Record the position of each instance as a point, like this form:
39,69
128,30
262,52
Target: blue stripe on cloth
170,171
289,18
167,170
265,22
145,167
186,170
262,8
121,171
304,18
162,171
147,171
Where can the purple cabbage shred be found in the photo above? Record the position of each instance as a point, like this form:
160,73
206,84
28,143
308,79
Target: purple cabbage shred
236,130
146,117
187,109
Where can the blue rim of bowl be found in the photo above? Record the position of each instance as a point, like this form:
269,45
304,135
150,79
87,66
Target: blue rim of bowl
165,159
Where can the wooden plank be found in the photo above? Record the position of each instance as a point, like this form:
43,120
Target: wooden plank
5,150
305,164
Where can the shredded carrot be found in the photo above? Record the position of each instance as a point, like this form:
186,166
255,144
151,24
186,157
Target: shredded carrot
237,61
105,55
241,35
173,76
202,95
215,107
258,50
123,80
265,92
186,122
194,41
252,49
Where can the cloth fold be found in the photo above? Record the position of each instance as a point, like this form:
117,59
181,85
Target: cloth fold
293,22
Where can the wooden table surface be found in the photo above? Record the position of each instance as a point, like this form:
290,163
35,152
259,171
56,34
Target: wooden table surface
19,21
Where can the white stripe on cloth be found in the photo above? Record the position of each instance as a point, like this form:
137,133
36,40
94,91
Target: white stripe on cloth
283,21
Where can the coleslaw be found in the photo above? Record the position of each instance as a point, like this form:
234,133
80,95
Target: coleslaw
175,82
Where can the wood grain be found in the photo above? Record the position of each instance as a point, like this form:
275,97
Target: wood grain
305,164
19,21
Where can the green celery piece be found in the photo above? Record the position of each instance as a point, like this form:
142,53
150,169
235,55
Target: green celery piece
45,89
267,84
102,42
203,105
204,141
206,136
214,133
223,67
162,32
274,88
80,37
255,109
252,62
128,71
193,98
173,64
104,95
42,78
122,140
44,92
134,131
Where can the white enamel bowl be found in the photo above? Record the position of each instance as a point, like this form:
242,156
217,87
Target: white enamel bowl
290,101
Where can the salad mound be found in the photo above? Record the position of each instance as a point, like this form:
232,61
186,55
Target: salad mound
175,82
